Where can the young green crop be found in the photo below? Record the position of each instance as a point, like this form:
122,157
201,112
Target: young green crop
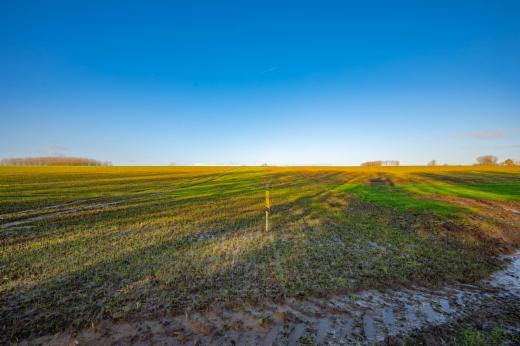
79,244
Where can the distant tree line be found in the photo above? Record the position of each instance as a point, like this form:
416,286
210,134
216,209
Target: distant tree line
53,161
510,162
487,160
381,163
484,160
491,160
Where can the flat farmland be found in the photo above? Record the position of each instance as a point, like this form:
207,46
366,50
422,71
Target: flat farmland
85,246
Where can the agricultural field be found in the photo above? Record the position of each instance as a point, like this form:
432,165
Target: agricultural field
180,255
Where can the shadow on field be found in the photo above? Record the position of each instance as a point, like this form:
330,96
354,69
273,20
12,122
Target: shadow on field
188,249
148,279
502,185
99,291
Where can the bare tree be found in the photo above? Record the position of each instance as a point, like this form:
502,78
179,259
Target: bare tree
381,163
509,162
432,163
487,160
372,163
53,161
391,163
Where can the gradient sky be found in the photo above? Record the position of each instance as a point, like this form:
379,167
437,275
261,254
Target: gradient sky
247,82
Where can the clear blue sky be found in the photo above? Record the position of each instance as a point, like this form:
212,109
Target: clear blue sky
247,82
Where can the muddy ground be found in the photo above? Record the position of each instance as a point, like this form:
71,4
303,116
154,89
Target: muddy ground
496,323
411,315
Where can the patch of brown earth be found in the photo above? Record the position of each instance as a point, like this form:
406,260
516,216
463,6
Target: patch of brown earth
497,221
381,180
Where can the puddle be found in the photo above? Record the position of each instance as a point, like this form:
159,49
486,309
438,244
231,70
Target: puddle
388,318
445,305
323,329
363,318
508,280
295,335
368,327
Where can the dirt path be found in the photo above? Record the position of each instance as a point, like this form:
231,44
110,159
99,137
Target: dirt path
367,318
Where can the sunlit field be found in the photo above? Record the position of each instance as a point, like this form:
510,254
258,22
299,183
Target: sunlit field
83,244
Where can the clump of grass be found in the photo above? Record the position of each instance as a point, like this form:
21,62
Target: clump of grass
306,339
471,337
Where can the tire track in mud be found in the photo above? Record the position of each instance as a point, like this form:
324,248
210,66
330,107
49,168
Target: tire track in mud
367,318
19,223
58,213
97,206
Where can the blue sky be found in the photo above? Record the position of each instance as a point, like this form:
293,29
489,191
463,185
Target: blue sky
247,82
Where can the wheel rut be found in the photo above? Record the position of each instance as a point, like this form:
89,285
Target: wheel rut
367,318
